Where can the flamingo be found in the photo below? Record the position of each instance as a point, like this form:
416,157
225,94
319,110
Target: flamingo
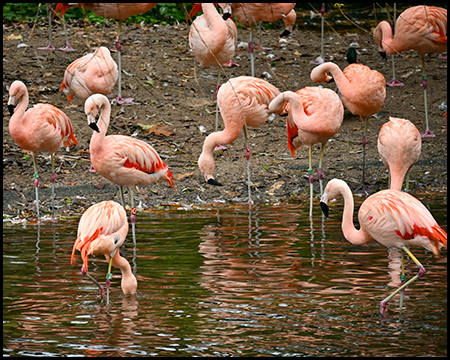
399,145
212,39
321,58
250,14
120,12
124,160
420,28
315,115
102,230
94,73
362,91
243,101
392,218
50,46
42,127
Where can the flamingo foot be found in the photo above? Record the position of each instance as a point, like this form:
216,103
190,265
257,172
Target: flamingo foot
383,307
259,47
394,82
363,189
120,100
230,64
428,133
219,147
49,47
319,60
91,169
66,48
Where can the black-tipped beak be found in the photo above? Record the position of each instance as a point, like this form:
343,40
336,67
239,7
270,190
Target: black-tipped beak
11,109
285,33
331,80
324,208
226,16
214,182
383,55
94,126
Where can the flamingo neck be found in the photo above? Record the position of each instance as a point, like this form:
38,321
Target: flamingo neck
129,282
356,237
385,38
19,110
219,29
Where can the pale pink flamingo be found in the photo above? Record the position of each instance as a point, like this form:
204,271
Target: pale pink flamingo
124,160
212,39
321,58
40,128
362,91
120,12
102,230
315,114
420,28
399,145
392,218
243,101
94,73
250,14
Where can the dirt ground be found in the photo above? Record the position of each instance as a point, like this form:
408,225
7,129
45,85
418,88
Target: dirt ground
177,97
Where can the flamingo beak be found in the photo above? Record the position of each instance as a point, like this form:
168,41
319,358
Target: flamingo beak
324,208
226,15
383,55
93,123
11,109
214,182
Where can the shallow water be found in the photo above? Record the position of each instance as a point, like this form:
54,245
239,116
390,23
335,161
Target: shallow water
222,281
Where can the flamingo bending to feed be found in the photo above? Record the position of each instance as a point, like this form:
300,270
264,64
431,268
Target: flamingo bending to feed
102,230
250,14
315,114
120,12
399,145
243,101
42,127
124,160
391,217
212,39
94,73
420,28
362,91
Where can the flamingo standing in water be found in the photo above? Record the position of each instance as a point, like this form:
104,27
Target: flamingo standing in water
250,14
102,230
362,91
315,115
399,145
243,101
124,160
213,40
94,73
120,12
420,28
42,127
393,218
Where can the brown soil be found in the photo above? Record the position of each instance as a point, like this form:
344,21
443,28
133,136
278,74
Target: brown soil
172,93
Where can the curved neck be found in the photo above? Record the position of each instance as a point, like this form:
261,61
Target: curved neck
129,282
218,27
21,107
356,237
319,74
384,37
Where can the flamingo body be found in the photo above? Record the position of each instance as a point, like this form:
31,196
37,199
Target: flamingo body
252,13
124,160
212,39
102,230
243,101
94,73
399,145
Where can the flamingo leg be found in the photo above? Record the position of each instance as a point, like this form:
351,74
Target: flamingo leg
121,197
394,81
383,303
36,186
119,98
108,280
403,279
247,156
363,186
50,46
319,170
133,222
311,181
100,287
66,47
53,187
251,48
321,59
427,132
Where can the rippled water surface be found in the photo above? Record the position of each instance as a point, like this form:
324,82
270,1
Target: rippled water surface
222,281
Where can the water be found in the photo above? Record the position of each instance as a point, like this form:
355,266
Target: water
222,281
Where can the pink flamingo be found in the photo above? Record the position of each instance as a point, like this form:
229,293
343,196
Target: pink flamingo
315,114
243,101
420,28
102,230
399,145
362,91
40,128
393,218
120,12
250,14
124,160
50,46
94,73
212,39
